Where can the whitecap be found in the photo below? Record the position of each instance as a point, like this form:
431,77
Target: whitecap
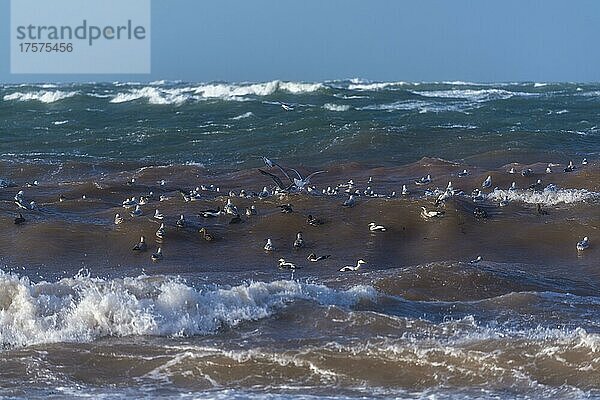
336,107
44,96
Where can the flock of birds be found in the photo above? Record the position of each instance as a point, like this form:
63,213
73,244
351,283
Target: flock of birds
293,182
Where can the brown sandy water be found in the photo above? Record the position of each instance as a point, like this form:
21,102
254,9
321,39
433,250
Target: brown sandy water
80,312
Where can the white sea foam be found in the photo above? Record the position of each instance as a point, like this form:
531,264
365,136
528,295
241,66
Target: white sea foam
227,91
472,94
336,107
153,95
81,309
419,105
44,96
357,85
61,122
243,116
550,196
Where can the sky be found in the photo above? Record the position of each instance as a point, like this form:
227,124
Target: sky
379,40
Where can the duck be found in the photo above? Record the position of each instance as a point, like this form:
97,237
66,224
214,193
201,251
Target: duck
205,235
285,264
570,167
118,219
314,221
405,191
487,183
352,267
424,180
463,173
312,257
431,214
180,222
373,227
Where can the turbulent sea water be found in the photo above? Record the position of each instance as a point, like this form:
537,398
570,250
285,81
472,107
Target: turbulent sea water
83,315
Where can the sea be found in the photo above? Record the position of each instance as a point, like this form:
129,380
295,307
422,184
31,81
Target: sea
485,295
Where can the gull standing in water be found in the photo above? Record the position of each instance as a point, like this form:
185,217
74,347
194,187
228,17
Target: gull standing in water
405,191
118,219
160,233
353,268
180,222
350,202
487,183
269,245
373,227
299,242
141,246
157,256
137,212
584,244
158,214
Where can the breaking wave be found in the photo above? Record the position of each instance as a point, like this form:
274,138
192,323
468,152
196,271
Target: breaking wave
82,309
551,195
44,96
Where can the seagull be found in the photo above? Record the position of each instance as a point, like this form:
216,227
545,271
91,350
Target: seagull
376,228
229,208
141,246
158,255
180,222
513,186
313,257
314,221
211,213
118,219
511,170
286,208
350,202
424,180
205,235
527,172
19,220
160,233
253,210
405,191
584,244
285,264
548,169
299,242
286,107
570,167
264,193
301,182
432,213
158,214
137,212
475,261
269,245
487,183
537,184
583,162
129,203
463,173
353,268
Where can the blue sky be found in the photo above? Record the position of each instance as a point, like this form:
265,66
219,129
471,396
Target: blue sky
315,40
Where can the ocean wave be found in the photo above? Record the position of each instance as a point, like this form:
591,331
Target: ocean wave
82,309
472,94
243,116
44,96
356,85
336,107
153,95
550,196
235,91
419,105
